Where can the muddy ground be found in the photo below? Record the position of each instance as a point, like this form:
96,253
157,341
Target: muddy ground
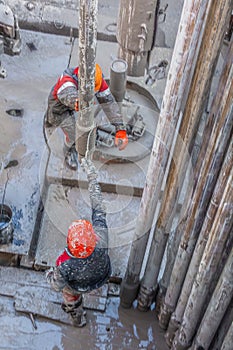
29,79
26,86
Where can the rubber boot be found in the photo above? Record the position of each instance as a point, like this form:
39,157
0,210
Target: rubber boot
68,307
71,157
76,312
78,317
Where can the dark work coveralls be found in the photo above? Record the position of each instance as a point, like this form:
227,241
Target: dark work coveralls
62,104
74,276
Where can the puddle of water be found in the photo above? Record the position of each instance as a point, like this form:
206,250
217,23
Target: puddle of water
3,222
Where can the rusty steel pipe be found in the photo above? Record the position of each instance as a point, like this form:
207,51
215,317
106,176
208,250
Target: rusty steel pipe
213,316
180,74
214,32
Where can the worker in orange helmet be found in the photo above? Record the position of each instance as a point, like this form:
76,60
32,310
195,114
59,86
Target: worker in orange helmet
84,264
63,102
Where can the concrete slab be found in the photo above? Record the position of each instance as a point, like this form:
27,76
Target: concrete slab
157,89
65,204
63,18
36,302
121,178
117,178
172,18
22,137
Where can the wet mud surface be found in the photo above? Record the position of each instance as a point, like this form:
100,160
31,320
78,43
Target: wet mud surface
115,329
22,145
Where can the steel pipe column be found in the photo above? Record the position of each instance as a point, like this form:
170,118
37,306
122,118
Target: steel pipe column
85,130
179,77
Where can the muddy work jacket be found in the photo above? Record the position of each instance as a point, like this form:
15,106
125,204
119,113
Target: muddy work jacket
64,95
85,274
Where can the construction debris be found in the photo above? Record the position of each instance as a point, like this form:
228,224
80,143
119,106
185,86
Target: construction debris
15,112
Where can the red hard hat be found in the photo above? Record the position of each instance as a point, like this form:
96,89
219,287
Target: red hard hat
81,238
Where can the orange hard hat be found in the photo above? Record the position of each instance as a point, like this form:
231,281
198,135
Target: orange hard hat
98,77
81,238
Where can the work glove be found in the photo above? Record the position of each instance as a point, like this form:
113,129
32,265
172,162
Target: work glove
49,274
76,106
89,169
121,139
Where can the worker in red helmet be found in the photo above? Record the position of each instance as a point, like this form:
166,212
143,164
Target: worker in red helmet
63,102
84,264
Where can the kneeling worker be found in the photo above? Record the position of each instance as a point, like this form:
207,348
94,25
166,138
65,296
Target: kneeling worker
63,102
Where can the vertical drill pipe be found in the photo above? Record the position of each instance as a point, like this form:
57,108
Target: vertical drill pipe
198,299
178,169
217,307
227,343
216,206
202,191
212,124
87,52
223,328
179,77
200,246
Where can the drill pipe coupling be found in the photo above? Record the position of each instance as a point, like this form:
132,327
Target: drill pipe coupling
85,142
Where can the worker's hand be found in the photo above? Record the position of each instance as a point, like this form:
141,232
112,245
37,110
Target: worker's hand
121,139
49,274
89,169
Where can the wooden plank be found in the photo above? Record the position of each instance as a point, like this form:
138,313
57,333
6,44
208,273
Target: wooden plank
94,302
96,299
46,302
13,278
32,293
34,301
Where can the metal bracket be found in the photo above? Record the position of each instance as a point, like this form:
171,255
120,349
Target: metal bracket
162,12
135,127
156,72
142,37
